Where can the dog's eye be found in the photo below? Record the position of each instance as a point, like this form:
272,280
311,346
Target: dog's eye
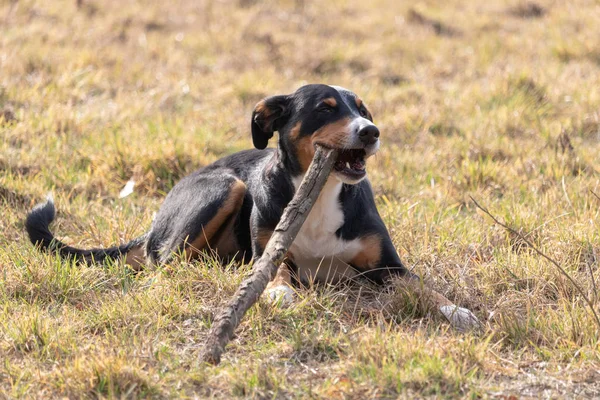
325,108
363,112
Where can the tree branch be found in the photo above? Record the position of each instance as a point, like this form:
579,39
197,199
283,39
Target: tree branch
266,267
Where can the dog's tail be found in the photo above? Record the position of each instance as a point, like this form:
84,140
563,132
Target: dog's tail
37,225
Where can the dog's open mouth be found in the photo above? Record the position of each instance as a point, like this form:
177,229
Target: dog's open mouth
351,163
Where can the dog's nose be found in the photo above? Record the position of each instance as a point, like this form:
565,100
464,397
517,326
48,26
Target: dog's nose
368,134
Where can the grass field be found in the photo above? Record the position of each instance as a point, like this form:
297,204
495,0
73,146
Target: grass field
498,100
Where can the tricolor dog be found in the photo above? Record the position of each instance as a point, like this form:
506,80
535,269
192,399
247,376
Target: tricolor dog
232,206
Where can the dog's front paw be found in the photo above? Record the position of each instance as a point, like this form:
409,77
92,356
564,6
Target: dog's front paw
281,295
460,318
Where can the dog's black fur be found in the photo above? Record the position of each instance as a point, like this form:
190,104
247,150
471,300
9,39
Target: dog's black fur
233,205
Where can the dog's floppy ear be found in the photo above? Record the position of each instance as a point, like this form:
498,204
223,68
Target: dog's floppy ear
269,115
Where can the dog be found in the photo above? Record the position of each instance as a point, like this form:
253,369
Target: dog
231,207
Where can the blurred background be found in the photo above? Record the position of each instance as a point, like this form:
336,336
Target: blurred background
494,99
166,87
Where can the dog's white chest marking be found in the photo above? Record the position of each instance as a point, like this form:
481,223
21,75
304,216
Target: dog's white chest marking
317,251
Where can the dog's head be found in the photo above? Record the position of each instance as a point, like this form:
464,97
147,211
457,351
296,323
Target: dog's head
318,114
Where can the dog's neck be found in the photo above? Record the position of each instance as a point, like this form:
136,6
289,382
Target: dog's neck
286,161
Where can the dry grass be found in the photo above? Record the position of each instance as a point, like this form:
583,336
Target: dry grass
497,100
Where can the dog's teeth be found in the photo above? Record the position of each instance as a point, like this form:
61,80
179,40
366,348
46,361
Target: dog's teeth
347,165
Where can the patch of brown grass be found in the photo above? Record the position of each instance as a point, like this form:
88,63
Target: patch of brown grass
494,100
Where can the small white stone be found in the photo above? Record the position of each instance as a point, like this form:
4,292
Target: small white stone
281,295
460,318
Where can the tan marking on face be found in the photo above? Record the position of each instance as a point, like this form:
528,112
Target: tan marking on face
304,147
229,207
370,255
136,258
358,102
330,101
333,135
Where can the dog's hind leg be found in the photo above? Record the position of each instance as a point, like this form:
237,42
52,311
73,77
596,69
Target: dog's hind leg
198,214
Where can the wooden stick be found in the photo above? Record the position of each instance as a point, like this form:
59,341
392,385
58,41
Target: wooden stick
266,267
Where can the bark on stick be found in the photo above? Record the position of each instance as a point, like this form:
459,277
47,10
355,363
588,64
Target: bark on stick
265,268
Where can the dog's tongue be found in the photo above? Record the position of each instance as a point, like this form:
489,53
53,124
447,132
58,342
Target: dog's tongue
352,160
358,164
